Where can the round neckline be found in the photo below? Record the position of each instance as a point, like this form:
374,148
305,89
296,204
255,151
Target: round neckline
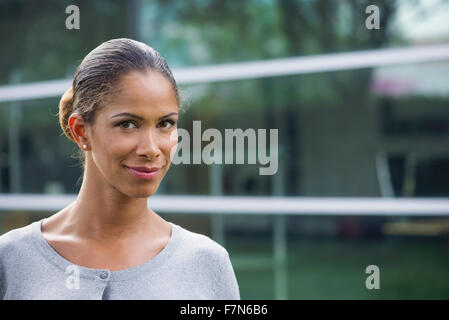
117,275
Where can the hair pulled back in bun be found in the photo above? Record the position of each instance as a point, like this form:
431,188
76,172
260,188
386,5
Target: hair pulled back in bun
99,72
65,110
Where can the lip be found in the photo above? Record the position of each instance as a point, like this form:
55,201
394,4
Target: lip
144,172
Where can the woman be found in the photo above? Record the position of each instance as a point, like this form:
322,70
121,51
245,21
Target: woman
122,112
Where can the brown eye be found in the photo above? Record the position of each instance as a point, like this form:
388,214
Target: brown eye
126,124
166,124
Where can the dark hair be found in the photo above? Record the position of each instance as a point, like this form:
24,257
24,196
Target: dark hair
98,74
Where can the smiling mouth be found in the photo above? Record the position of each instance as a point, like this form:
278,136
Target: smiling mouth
144,173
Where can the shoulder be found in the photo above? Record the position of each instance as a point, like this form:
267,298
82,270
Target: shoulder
15,236
16,240
200,246
209,264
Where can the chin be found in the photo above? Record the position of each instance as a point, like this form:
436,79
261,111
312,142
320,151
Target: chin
143,193
141,196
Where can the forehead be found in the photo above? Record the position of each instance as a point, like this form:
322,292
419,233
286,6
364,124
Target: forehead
147,91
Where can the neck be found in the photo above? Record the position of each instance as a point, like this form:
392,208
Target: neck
102,212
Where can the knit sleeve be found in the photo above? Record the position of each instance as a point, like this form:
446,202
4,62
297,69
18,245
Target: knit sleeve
227,286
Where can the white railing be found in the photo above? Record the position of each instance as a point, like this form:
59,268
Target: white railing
258,69
268,205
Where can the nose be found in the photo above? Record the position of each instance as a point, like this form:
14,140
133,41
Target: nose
148,145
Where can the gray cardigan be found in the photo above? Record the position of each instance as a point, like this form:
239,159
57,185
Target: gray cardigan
191,266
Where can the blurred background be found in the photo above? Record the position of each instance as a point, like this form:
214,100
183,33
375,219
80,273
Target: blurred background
353,132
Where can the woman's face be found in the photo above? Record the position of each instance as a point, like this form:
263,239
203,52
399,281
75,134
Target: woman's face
135,134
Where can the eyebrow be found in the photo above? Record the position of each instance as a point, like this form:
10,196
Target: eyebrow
139,117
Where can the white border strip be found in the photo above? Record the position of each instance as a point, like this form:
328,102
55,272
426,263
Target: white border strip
252,205
258,69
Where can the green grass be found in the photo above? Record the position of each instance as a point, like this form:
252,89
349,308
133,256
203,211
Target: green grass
416,268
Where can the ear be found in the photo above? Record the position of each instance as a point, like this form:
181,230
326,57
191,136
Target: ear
78,128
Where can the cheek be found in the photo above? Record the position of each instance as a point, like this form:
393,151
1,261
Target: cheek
114,149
